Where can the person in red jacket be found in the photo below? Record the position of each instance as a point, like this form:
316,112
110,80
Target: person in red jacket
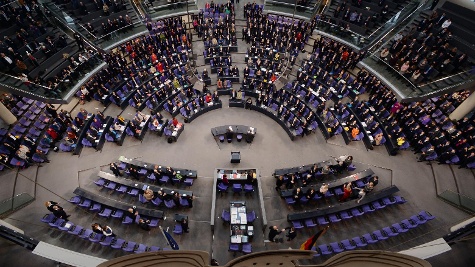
175,122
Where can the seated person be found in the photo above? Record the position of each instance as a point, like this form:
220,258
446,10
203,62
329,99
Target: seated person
144,224
297,194
148,194
205,74
323,189
310,193
132,213
133,173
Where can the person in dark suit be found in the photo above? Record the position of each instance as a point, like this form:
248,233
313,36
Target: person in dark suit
274,231
144,224
291,234
50,204
114,169
60,213
184,225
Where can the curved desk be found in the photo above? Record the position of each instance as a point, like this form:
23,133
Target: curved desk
216,105
240,104
236,129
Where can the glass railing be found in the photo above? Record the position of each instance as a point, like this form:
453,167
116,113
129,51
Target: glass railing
461,201
116,37
340,32
14,203
55,92
412,90
101,41
388,74
401,18
155,10
363,37
291,7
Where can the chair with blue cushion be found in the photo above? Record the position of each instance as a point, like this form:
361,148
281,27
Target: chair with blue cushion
246,248
347,244
237,188
129,247
226,216
324,249
337,247
178,229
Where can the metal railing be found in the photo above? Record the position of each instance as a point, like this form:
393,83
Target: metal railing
405,14
305,12
14,203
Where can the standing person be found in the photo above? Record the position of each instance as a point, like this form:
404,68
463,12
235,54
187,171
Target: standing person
115,169
279,183
291,234
347,192
79,41
50,204
60,213
274,231
184,225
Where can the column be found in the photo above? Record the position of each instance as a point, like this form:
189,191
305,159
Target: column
464,108
6,115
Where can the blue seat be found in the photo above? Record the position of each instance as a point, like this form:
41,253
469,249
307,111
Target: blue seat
368,238
337,247
310,223
178,229
409,224
324,249
129,247
76,230
359,242
246,248
400,228
226,216
297,224
348,245
426,215
390,231
322,220
380,235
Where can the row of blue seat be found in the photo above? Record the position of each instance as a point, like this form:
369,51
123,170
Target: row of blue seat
348,214
88,234
371,238
108,212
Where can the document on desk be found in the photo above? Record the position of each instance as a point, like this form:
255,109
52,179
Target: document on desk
235,239
243,218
